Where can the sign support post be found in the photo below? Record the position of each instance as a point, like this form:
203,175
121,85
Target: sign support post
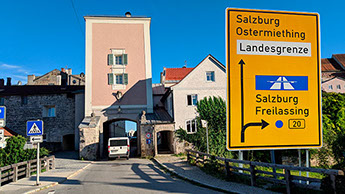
299,162
38,165
273,161
307,163
240,157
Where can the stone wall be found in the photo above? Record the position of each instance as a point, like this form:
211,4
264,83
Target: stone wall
89,131
146,149
18,113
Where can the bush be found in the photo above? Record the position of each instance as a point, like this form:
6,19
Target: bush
14,151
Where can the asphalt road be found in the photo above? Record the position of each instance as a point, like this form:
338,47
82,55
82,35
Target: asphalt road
125,176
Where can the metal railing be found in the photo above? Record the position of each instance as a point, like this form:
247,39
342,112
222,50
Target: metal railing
257,170
25,169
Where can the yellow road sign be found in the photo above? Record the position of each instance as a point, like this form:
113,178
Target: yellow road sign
273,70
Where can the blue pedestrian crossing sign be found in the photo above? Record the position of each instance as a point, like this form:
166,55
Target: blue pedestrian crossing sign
34,128
2,116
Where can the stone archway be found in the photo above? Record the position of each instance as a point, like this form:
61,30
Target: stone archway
118,128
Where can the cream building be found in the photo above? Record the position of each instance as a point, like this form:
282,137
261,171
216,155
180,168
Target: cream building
208,78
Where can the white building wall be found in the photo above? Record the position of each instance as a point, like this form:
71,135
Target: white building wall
195,83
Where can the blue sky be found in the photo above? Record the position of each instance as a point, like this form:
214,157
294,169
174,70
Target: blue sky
39,36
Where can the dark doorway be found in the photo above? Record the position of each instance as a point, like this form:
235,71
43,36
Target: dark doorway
68,142
121,128
164,142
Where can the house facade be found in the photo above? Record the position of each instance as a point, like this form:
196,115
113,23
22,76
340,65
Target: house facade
208,78
333,74
57,77
61,108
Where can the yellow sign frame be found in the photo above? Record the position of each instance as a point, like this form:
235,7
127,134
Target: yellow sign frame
282,135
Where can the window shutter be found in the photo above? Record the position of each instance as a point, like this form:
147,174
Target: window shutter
110,59
110,79
125,59
125,78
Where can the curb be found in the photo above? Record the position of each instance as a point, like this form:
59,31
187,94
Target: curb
189,179
62,181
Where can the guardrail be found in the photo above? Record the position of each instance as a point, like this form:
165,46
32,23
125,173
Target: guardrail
253,170
25,169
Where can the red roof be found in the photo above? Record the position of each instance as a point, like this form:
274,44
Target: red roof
329,64
177,73
340,58
8,132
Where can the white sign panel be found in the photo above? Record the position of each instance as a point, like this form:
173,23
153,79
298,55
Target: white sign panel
36,139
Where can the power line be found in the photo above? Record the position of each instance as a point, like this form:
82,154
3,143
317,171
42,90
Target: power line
76,15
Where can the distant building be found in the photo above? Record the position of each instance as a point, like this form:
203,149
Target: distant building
60,107
57,77
208,78
333,74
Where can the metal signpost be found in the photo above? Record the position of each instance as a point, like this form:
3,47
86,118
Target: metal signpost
273,80
34,129
2,116
205,125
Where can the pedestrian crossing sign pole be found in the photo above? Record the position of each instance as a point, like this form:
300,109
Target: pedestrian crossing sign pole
35,128
273,80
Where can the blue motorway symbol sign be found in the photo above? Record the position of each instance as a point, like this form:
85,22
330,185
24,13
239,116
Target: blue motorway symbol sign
34,128
268,82
2,116
2,112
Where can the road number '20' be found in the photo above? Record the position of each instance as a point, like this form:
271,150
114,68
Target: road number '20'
296,123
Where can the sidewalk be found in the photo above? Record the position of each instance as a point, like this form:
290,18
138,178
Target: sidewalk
180,167
67,165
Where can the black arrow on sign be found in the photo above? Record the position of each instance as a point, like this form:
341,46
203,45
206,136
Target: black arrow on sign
242,103
263,124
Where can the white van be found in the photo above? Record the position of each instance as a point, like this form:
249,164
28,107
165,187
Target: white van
118,147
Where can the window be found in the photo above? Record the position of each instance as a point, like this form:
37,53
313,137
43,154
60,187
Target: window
117,59
2,101
119,79
330,87
210,76
49,111
24,100
192,99
191,126
338,87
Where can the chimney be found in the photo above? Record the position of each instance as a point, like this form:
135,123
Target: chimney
128,14
69,71
2,82
31,79
8,82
